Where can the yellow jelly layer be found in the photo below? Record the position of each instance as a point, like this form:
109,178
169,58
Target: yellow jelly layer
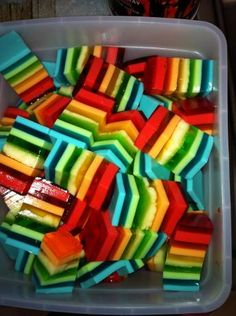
107,78
43,205
88,177
78,171
162,204
18,166
172,75
120,244
94,114
164,137
31,81
127,126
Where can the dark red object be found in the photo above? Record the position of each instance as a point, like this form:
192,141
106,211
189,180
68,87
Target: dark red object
114,55
14,180
114,278
195,111
98,236
154,75
43,189
194,228
3,191
76,215
136,67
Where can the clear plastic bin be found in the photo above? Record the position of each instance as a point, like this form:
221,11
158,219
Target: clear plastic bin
142,292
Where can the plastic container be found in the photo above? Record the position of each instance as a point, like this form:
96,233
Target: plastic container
141,293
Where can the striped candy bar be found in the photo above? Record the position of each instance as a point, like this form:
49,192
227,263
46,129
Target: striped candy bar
22,69
186,253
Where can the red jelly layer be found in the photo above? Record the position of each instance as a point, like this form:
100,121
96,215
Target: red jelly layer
98,101
194,228
154,75
14,180
90,73
13,112
196,111
51,112
114,55
44,188
101,185
98,236
76,215
151,127
177,207
37,90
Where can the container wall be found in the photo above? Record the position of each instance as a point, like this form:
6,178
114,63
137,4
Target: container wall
141,293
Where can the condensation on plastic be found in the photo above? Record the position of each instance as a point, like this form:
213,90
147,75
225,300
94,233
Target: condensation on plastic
142,292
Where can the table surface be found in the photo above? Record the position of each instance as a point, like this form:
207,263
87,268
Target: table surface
33,9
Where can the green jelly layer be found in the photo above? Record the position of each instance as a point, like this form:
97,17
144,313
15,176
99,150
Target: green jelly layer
25,73
115,83
131,201
33,224
55,269
123,138
166,101
27,232
23,106
66,161
26,62
122,88
126,95
80,121
116,147
137,165
149,238
68,166
74,131
133,245
33,140
70,71
85,52
4,131
182,273
195,77
191,153
29,264
188,141
46,279
32,159
87,268
66,91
